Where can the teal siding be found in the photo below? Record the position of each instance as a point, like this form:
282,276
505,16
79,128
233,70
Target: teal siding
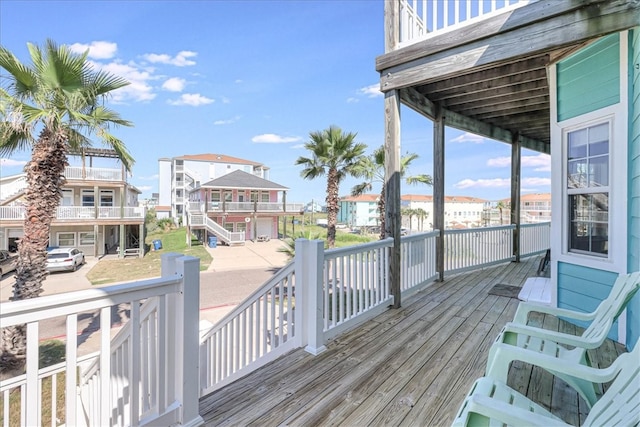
583,288
593,70
633,312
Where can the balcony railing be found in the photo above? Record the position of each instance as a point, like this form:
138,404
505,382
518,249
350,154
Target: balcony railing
147,375
421,19
259,207
93,174
323,293
78,212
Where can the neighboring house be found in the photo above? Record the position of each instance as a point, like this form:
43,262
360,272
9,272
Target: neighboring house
178,176
241,205
459,211
99,211
535,207
558,77
359,211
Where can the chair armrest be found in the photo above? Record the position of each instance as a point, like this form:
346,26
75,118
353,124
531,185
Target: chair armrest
553,364
555,336
524,308
510,414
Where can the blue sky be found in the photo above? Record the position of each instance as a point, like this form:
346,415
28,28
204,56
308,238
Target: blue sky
251,79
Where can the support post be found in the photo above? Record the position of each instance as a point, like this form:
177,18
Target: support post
187,324
392,190
309,265
438,187
516,152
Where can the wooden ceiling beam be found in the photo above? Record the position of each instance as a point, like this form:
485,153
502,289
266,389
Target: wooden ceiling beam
416,101
531,106
476,91
460,103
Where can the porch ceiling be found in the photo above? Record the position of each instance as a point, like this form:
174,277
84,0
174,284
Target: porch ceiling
490,77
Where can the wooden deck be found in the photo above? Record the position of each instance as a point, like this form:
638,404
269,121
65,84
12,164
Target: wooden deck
410,366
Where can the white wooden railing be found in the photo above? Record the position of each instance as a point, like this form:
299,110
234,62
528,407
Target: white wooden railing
230,237
147,375
421,19
471,248
256,332
9,189
534,238
418,261
93,174
294,208
79,212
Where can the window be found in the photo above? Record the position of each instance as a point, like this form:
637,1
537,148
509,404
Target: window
264,197
588,189
67,197
87,198
241,226
86,238
228,196
66,239
106,198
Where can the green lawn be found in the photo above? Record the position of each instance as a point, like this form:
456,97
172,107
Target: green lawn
130,268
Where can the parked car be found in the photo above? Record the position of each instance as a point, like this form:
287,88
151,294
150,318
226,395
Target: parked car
8,262
64,259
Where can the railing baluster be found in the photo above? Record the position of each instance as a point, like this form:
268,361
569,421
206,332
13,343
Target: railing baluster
134,363
104,410
71,372
33,384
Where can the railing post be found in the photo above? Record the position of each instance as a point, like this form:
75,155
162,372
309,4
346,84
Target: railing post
168,268
309,263
187,368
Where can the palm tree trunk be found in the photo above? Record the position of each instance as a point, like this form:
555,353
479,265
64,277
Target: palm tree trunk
44,181
332,206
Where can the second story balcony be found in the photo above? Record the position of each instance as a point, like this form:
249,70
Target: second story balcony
78,213
248,207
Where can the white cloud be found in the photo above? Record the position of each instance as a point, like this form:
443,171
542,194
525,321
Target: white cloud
239,81
193,99
144,188
226,100
174,84
297,146
147,178
11,162
227,121
372,91
180,60
352,100
271,138
97,49
468,137
540,163
138,89
502,183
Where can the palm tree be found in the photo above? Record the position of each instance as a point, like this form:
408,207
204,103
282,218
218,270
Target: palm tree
422,214
61,97
336,155
372,169
501,205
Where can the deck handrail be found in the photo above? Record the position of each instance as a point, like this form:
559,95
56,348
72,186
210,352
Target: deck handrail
422,19
158,372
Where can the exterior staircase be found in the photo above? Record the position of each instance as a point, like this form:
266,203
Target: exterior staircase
198,220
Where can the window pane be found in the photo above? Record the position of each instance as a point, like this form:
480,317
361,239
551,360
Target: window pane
599,171
66,239
86,239
589,228
577,174
577,143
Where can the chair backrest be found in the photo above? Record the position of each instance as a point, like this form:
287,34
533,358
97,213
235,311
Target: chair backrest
620,404
624,288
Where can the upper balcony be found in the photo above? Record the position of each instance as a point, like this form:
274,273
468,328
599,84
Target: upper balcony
89,214
248,207
423,19
93,174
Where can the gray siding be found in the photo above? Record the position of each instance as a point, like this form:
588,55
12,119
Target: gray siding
594,71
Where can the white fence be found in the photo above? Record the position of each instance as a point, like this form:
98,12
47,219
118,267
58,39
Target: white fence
420,19
471,248
147,375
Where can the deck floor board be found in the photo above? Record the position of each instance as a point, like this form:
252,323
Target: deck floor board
406,367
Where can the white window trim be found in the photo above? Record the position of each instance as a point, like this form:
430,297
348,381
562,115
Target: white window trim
75,239
93,239
113,198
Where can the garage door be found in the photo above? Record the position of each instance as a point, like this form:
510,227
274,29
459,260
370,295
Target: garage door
264,227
